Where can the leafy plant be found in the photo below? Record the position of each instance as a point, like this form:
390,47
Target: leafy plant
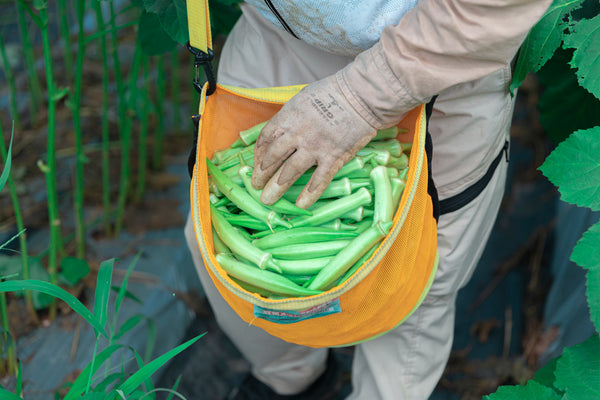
6,344
569,33
164,22
91,382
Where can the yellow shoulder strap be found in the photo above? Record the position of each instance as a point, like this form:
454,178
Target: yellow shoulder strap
199,24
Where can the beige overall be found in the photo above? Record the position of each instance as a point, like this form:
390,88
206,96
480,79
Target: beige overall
469,126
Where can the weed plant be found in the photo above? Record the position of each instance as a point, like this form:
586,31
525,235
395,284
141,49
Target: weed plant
100,380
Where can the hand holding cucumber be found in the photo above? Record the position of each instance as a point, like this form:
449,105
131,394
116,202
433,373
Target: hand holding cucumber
317,127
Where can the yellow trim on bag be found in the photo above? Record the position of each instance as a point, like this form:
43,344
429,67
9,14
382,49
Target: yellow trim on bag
298,303
279,94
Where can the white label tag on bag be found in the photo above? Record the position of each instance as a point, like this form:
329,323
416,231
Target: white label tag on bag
289,317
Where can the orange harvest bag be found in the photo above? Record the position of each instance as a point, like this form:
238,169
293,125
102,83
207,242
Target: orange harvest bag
382,293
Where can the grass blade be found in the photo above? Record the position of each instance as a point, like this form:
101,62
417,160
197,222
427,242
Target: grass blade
7,165
11,239
103,291
53,290
174,388
81,382
170,391
151,339
19,389
123,289
109,380
147,370
6,395
128,325
148,384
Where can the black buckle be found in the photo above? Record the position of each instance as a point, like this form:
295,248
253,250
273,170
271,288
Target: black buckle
202,59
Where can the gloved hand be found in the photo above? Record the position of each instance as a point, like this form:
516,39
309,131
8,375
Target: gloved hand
315,127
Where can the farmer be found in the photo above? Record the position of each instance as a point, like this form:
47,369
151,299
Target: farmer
370,62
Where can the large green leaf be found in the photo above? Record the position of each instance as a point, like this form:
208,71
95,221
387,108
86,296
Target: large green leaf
564,106
578,371
574,166
172,15
11,268
586,254
152,37
73,270
223,16
531,391
543,39
585,38
545,375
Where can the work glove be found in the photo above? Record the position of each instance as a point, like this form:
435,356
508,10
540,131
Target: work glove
315,127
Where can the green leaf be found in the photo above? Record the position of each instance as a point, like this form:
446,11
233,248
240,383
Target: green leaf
574,166
103,291
11,268
6,170
6,395
578,370
149,369
531,391
93,396
80,383
123,289
545,375
585,38
128,325
172,15
53,290
543,39
109,380
223,16
586,254
564,106
152,37
128,294
73,270
174,388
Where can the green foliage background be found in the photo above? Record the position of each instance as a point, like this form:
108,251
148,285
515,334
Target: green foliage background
563,49
170,16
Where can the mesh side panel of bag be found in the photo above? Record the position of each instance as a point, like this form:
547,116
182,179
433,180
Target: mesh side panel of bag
380,295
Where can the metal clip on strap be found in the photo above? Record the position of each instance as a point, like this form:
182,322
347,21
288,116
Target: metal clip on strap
202,59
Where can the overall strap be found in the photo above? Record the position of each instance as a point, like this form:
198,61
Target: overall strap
200,44
199,25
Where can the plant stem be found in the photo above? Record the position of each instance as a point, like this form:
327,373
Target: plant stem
20,227
117,65
143,158
175,85
11,351
158,141
104,113
80,156
50,168
65,32
35,87
8,72
126,140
